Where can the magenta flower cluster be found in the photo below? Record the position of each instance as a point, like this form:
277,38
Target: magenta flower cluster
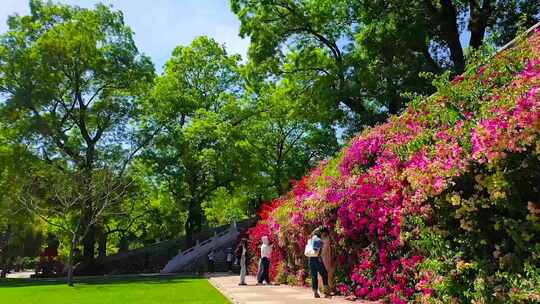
393,171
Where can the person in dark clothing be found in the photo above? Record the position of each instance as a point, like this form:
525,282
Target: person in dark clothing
316,265
211,261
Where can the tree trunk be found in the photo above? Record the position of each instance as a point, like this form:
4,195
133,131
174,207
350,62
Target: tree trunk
69,278
89,245
278,182
189,233
451,34
89,239
478,21
445,18
102,244
194,221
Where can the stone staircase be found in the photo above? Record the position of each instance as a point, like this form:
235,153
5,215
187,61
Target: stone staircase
195,259
152,258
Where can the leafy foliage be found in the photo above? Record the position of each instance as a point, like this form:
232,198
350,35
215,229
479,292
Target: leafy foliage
438,204
221,140
365,54
70,78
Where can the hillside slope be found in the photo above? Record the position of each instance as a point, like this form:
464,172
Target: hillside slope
438,205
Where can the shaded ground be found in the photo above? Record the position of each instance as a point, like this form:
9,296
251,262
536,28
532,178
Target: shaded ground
139,290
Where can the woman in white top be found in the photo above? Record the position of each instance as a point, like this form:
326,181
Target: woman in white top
264,265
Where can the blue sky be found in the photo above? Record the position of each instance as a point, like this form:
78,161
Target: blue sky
160,25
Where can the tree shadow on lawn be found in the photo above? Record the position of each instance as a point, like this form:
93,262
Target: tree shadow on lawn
101,280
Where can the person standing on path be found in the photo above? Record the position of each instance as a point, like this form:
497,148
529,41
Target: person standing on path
241,254
264,264
211,261
313,251
229,260
327,256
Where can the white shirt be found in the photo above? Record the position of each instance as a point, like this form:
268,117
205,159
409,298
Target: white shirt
266,251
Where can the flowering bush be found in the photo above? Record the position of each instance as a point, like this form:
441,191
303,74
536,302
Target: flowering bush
437,205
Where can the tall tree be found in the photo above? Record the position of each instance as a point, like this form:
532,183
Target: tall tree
284,139
363,53
194,103
70,77
227,138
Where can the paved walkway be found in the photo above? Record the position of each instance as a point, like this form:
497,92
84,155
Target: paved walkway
281,294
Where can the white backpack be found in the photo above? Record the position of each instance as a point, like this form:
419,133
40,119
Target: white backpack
309,251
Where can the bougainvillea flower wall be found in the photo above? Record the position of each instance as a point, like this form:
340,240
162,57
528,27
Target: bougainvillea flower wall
440,204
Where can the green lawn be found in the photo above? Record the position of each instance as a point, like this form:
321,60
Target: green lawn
153,290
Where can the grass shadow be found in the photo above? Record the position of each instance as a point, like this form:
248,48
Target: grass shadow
101,280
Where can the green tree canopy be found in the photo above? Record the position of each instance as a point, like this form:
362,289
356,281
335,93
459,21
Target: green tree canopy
224,137
195,104
70,77
364,54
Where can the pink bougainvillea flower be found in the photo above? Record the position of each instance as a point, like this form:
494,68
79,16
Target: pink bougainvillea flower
393,172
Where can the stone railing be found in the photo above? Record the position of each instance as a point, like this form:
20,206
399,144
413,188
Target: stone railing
201,249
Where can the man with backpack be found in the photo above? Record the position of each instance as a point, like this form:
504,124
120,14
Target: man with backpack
316,266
